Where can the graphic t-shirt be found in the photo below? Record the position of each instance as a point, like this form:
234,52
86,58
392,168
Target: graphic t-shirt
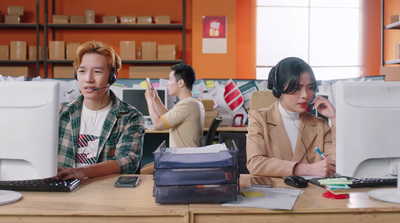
89,135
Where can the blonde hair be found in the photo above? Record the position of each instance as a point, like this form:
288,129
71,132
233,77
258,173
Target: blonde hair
114,60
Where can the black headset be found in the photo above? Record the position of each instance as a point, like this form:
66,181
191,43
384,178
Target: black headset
275,90
111,79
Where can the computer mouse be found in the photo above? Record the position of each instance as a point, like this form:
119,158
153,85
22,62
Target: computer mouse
296,181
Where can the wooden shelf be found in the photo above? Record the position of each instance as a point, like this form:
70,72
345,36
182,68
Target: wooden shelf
396,61
395,25
19,26
117,26
125,61
18,61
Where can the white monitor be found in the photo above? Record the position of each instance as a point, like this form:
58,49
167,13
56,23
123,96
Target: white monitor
367,129
28,129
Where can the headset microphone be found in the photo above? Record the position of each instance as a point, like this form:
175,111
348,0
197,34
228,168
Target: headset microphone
98,88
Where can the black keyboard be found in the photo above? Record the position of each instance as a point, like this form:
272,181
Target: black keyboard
48,184
363,182
373,182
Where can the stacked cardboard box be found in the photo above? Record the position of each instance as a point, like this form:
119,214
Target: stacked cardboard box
14,14
4,52
18,50
211,114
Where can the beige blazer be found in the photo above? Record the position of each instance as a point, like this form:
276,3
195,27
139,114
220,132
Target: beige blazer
268,148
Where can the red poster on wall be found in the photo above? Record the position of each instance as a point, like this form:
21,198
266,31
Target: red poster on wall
214,34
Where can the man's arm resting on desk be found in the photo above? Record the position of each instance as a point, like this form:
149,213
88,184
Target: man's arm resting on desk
95,170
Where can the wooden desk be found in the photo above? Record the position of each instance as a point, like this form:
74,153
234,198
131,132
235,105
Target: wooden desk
309,207
96,200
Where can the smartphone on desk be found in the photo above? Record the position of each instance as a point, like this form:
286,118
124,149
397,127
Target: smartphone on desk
260,181
127,181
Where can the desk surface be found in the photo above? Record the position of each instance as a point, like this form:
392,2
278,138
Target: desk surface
96,200
219,129
309,207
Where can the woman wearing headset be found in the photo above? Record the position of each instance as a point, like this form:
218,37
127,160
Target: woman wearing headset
283,138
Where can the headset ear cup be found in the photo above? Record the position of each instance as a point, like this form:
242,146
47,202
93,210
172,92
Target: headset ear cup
276,93
112,77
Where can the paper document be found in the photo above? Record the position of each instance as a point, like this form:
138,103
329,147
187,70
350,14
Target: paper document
215,148
275,198
217,153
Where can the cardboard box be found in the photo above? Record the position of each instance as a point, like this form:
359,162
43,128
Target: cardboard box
211,114
63,72
144,20
15,10
110,19
209,117
128,19
392,73
56,50
32,53
11,19
17,71
71,48
139,52
60,19
149,71
4,52
163,19
90,16
208,104
394,18
397,51
18,50
128,50
77,19
166,52
149,50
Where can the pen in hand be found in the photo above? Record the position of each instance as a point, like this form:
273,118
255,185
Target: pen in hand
320,153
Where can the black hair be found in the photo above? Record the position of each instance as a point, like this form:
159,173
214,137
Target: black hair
284,78
186,73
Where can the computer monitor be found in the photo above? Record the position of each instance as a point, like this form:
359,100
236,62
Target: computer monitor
28,129
135,97
367,129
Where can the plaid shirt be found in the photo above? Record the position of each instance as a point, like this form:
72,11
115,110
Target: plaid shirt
121,138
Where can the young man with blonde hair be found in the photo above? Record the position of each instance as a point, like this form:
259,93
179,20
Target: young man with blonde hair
98,133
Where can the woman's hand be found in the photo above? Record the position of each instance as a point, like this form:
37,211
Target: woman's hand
324,107
323,168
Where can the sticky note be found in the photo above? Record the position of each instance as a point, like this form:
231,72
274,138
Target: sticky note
143,84
335,181
210,84
253,194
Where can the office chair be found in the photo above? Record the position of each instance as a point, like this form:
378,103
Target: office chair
211,131
240,140
138,169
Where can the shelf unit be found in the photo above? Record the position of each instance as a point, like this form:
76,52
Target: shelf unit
36,26
392,26
118,26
